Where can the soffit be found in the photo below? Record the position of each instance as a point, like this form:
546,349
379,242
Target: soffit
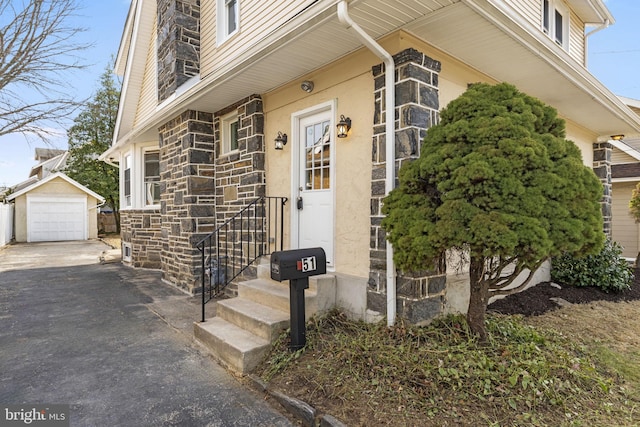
487,37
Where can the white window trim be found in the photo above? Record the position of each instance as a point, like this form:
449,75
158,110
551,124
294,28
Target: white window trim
225,131
561,8
138,197
222,29
123,198
143,194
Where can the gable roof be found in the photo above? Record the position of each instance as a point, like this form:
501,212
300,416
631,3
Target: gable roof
51,178
50,165
43,154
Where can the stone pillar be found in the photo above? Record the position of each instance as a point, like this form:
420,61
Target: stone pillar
187,202
602,167
178,44
241,175
419,294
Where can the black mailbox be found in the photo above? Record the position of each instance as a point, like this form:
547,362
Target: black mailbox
298,264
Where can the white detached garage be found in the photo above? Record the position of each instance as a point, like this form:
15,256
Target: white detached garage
56,208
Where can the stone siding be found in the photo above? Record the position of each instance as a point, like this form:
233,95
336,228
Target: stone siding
420,296
602,152
187,194
178,44
240,177
142,230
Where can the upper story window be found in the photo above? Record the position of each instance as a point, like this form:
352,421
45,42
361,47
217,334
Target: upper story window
151,178
229,132
555,21
228,19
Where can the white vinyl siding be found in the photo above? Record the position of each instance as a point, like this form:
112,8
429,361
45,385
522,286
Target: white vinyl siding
624,228
530,10
257,19
148,100
620,157
576,38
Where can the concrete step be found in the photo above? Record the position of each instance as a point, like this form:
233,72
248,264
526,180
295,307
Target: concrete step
235,347
275,295
260,320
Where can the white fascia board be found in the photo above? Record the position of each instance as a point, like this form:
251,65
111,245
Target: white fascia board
512,23
52,177
136,39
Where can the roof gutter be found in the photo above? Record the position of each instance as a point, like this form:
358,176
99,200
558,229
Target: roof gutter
373,46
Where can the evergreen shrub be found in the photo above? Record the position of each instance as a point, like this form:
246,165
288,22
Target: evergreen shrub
607,269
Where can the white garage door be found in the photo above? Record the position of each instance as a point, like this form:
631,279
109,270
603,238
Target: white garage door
52,219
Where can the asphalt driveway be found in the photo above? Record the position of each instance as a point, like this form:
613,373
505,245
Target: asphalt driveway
112,342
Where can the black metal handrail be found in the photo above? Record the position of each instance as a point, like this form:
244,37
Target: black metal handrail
255,231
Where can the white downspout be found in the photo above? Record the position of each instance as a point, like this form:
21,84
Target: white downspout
602,26
390,95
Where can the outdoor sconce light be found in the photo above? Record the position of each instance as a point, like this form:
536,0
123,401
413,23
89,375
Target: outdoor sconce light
343,126
617,137
281,140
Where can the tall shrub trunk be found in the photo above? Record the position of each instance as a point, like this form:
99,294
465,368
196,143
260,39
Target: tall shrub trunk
478,299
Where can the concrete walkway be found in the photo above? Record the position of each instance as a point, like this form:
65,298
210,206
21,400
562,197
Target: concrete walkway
114,343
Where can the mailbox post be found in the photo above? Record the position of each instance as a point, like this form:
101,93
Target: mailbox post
297,266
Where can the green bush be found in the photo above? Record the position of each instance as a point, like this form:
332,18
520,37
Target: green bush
606,270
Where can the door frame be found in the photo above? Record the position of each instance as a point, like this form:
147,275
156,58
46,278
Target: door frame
296,117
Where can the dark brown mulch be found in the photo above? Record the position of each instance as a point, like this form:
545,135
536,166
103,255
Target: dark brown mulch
537,299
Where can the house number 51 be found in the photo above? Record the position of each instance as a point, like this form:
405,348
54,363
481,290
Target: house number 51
309,263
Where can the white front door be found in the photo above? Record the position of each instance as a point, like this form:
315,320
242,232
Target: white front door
315,180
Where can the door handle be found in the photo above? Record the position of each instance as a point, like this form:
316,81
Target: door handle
299,203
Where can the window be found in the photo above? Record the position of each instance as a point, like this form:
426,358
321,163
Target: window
151,178
229,129
555,22
127,181
228,19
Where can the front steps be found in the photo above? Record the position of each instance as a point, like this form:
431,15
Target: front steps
245,326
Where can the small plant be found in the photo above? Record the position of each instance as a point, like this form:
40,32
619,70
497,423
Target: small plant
606,270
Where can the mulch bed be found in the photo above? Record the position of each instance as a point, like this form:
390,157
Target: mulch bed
537,299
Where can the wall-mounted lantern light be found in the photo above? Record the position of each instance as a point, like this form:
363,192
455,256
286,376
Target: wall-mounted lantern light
343,126
281,140
617,137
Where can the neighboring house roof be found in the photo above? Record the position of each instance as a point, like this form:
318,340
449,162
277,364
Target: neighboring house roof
51,178
24,184
50,165
493,39
43,154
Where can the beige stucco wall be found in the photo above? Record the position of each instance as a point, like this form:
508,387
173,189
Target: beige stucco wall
349,82
56,187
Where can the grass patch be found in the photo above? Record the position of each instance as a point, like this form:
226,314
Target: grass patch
366,374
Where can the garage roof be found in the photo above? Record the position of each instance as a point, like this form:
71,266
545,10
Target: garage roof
51,178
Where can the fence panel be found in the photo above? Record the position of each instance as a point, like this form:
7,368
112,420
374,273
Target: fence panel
6,223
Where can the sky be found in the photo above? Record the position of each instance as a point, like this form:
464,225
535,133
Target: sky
613,57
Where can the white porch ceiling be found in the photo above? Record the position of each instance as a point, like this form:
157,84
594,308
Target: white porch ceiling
475,31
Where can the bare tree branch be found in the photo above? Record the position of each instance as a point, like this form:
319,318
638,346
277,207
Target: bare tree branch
39,49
